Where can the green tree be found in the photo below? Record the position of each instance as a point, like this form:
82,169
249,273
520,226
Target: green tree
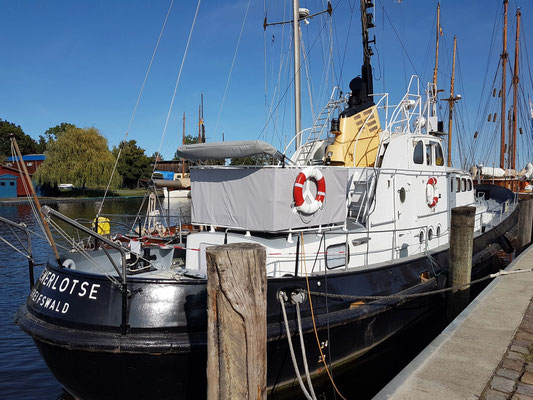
41,144
78,156
258,159
189,139
133,163
25,142
54,132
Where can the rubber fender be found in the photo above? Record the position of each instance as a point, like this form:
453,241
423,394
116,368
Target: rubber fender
69,263
506,244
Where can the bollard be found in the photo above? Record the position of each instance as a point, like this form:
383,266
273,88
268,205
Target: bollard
236,321
460,258
524,223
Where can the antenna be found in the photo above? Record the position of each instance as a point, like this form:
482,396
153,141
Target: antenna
367,22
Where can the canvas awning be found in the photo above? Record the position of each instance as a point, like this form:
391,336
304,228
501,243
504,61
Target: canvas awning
223,150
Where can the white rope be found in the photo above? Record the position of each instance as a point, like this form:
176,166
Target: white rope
231,68
304,355
136,105
291,349
177,83
13,247
45,238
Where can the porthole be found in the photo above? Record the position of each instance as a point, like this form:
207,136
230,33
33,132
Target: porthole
402,194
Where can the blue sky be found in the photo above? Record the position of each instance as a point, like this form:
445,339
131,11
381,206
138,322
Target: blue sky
83,62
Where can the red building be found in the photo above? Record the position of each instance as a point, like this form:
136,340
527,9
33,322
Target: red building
6,169
32,161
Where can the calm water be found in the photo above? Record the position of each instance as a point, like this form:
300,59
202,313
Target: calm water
24,375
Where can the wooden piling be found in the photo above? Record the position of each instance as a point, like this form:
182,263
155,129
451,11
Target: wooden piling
460,258
236,322
525,223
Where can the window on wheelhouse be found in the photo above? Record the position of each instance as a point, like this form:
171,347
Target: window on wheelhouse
457,185
463,185
429,159
439,157
469,184
418,154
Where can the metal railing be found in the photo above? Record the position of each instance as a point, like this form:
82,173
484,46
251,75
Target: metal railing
27,248
123,274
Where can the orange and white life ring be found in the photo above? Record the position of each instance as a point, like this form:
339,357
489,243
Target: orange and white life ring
299,200
432,192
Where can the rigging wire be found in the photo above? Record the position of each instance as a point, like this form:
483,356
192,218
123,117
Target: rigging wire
177,82
121,146
306,55
352,7
232,64
399,39
28,192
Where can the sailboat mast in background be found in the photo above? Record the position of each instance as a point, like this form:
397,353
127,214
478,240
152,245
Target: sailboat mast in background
201,128
435,70
516,79
451,102
183,143
504,56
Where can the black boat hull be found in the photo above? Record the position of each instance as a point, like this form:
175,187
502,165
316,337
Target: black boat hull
164,353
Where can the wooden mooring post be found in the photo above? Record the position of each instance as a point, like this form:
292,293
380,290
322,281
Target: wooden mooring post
236,321
460,258
525,223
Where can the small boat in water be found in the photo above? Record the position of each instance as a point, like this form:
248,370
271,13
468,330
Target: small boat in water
361,209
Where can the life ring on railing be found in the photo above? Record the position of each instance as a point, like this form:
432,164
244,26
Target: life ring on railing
318,201
432,192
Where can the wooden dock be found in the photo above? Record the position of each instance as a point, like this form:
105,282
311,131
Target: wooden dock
473,357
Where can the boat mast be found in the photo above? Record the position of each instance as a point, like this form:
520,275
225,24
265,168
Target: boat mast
436,53
296,47
183,142
201,129
504,56
366,69
515,87
451,102
25,175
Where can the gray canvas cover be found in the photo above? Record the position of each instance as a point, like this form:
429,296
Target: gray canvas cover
223,150
261,199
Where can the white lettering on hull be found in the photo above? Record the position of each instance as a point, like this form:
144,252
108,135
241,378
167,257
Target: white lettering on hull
71,287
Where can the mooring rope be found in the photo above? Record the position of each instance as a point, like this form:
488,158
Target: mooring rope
291,350
322,357
304,355
415,295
